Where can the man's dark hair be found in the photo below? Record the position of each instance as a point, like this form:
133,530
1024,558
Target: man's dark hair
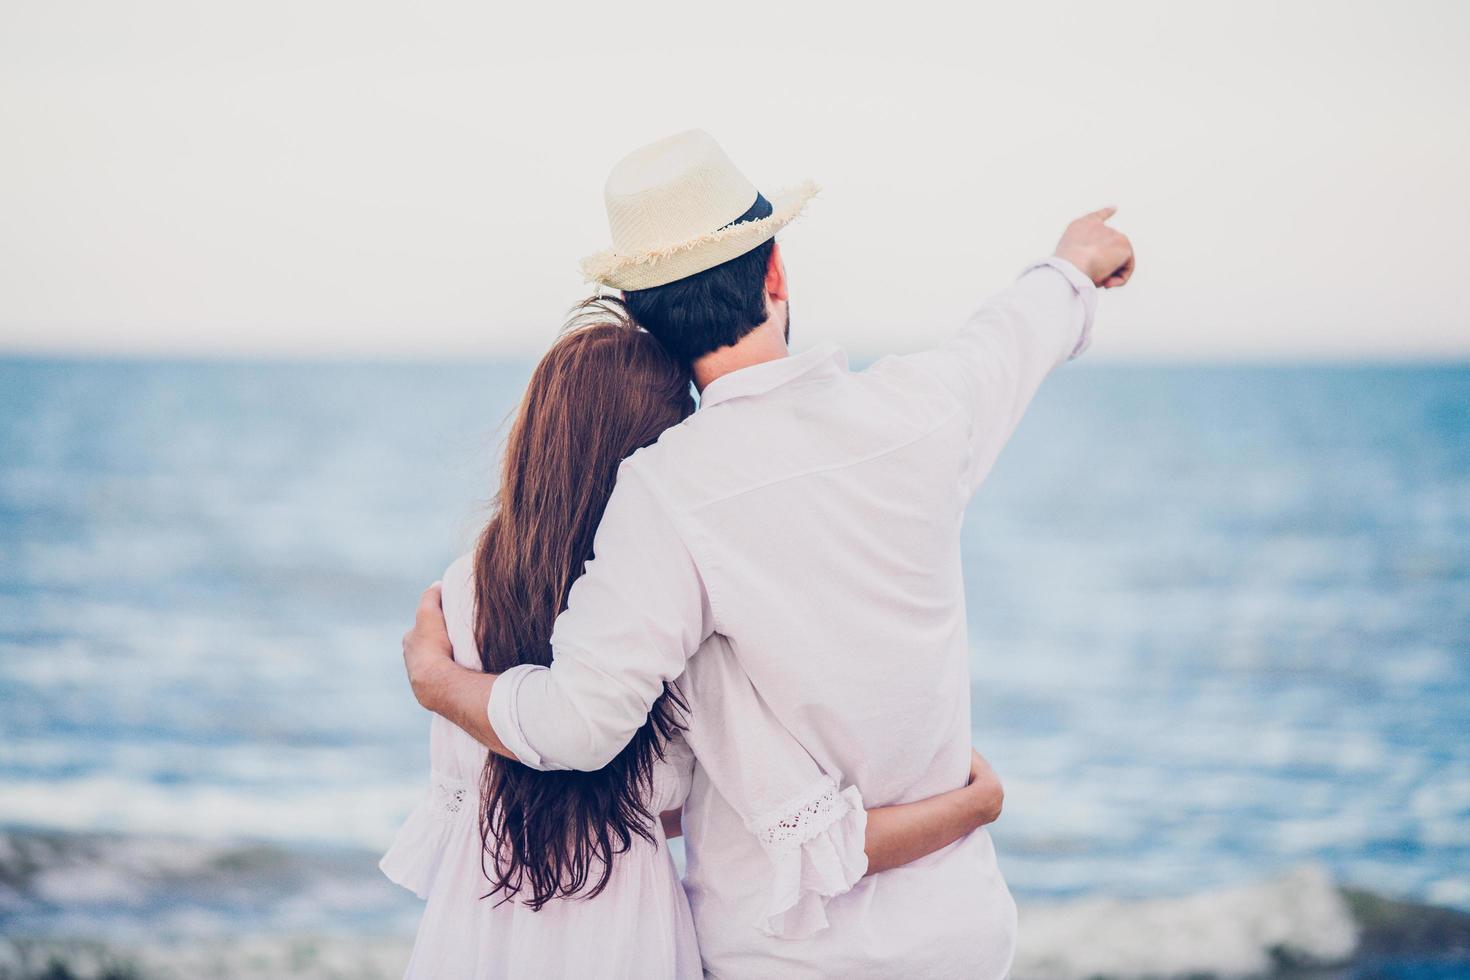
708,310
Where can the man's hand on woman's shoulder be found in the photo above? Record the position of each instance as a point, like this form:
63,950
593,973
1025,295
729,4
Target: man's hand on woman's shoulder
427,650
455,692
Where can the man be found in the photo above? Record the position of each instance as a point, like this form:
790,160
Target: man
810,515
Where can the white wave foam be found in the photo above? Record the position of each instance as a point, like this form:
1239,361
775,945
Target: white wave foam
131,888
1299,918
366,815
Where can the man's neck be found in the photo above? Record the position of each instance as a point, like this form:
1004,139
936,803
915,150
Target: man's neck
764,343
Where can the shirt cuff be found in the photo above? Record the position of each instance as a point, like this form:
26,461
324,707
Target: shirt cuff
1082,286
505,716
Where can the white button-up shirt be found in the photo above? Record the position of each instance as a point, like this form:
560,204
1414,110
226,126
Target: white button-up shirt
810,515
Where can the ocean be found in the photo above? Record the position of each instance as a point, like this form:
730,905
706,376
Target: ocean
1220,618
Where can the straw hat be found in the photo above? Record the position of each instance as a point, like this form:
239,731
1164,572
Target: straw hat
679,206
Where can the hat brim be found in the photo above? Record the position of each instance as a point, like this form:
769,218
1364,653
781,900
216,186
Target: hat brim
666,263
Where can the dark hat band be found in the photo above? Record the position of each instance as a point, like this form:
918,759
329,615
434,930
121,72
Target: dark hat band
760,209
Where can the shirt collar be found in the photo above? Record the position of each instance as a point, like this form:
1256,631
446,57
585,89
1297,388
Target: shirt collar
769,375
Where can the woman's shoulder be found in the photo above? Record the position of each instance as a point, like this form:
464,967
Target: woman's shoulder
457,598
459,577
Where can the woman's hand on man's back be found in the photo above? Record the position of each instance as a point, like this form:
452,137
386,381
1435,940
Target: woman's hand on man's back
986,790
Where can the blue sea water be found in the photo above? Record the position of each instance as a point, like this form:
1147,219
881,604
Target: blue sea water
1220,615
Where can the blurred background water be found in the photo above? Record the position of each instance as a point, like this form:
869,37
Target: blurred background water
1220,616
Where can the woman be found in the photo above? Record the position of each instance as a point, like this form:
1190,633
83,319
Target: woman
568,874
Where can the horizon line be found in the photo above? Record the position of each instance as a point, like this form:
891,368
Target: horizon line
858,355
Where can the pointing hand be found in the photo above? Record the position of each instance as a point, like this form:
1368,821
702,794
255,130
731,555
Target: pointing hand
1103,254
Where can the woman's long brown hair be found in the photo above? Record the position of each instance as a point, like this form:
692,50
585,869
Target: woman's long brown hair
605,389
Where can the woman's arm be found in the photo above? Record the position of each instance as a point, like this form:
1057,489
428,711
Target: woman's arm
812,824
906,832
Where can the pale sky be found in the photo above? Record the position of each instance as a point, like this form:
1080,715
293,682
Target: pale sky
420,179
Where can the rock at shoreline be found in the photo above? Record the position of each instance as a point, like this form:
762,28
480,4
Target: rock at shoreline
1391,928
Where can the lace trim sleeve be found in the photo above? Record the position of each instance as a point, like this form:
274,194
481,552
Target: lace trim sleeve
442,822
816,846
794,823
448,797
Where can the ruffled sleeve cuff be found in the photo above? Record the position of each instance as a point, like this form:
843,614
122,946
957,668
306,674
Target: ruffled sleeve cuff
816,847
431,831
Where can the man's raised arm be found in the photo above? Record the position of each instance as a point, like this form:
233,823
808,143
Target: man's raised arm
995,364
632,620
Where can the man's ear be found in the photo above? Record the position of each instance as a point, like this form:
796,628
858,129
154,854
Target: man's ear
776,274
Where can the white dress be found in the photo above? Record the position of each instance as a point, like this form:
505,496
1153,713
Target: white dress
640,925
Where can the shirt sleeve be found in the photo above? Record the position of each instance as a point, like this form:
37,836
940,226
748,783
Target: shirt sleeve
995,364
811,827
632,620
